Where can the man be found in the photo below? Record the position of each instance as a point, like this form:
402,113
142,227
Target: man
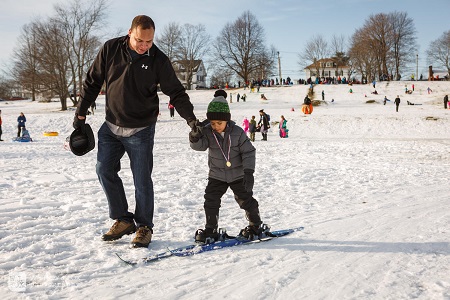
445,101
131,68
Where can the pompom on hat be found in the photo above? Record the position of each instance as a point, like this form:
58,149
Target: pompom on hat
218,109
220,93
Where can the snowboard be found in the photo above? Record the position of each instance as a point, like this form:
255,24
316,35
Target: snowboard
197,248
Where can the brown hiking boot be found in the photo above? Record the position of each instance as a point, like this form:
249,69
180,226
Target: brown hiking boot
143,237
118,230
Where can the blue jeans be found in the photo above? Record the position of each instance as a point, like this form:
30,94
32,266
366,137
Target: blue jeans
139,148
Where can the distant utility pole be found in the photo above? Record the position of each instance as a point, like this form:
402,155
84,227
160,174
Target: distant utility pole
417,66
279,66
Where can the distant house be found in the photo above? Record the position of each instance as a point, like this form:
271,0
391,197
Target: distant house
327,68
198,76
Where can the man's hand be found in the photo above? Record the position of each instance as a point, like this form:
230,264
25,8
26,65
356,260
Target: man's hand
78,122
196,132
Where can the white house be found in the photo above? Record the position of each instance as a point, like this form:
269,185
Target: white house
327,68
199,73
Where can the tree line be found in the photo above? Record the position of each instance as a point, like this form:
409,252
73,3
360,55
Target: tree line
53,55
383,48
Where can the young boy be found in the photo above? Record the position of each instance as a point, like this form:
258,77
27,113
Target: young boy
231,160
252,128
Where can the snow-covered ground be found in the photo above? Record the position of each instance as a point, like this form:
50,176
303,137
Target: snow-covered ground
370,185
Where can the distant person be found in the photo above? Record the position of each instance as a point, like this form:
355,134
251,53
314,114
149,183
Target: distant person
445,101
1,126
323,95
21,120
263,124
397,103
429,90
307,101
252,128
283,128
385,100
245,124
171,110
374,83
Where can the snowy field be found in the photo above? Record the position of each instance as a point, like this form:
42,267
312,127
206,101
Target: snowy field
370,185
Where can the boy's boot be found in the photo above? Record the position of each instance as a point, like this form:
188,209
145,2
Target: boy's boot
207,235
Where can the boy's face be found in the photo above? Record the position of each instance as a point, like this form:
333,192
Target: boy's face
218,125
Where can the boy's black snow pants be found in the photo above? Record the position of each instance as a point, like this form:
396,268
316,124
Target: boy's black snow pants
213,194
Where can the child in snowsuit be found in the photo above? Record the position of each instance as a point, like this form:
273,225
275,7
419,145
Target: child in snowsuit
283,129
231,160
245,124
252,128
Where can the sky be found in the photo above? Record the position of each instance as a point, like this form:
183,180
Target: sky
288,24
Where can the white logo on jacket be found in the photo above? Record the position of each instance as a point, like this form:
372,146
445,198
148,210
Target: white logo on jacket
144,67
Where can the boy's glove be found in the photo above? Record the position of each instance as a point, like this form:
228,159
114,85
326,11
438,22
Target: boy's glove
249,180
79,123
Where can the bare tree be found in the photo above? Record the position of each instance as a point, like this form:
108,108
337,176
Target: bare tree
439,51
315,51
53,60
338,48
389,41
191,49
361,57
378,34
6,88
221,77
240,46
266,64
169,39
78,20
25,66
404,41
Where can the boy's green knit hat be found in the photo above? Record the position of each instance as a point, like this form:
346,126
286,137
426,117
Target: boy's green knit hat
218,109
